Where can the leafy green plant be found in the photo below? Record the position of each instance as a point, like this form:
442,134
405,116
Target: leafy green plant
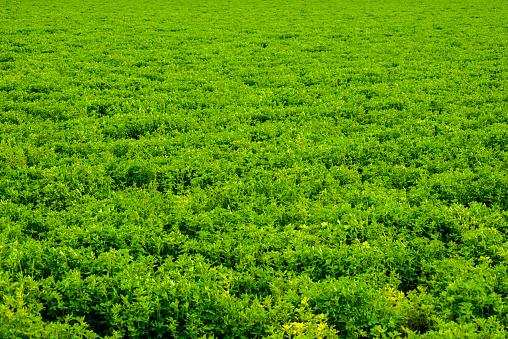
283,169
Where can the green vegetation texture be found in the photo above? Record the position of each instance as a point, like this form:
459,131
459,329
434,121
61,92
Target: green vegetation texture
253,169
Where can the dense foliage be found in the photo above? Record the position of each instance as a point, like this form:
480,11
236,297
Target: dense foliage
253,169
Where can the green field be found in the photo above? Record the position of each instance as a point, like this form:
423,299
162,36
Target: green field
253,169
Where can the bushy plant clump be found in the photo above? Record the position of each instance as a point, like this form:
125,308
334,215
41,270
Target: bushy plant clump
260,169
